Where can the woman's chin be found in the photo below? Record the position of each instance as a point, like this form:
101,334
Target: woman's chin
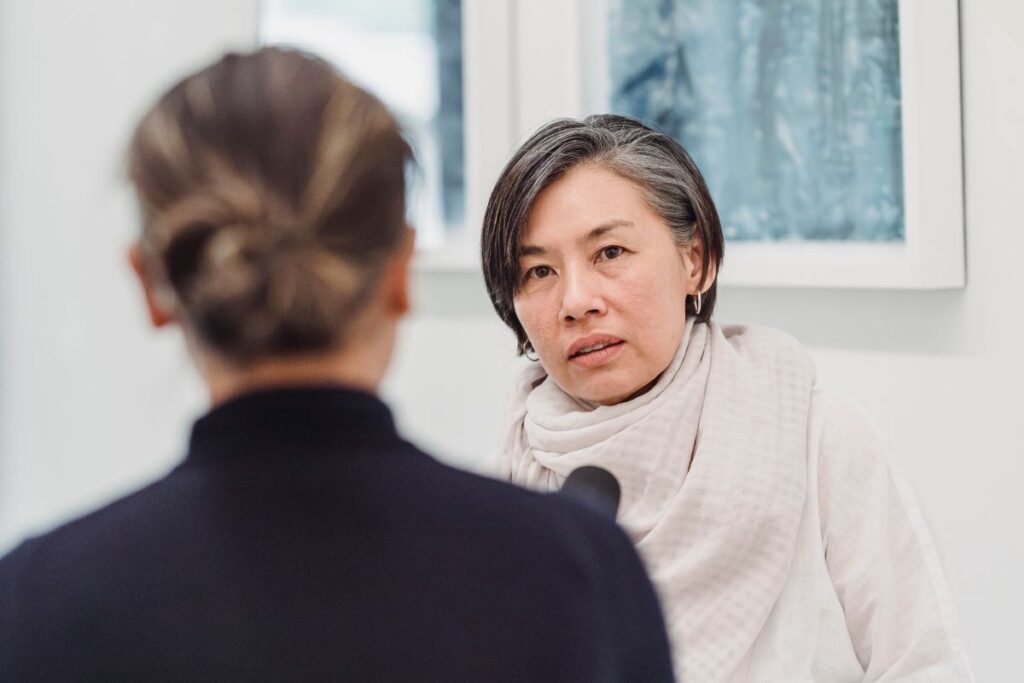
606,393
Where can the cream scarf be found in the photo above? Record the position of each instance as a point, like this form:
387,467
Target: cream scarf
712,461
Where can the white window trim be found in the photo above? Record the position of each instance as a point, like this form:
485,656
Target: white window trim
488,34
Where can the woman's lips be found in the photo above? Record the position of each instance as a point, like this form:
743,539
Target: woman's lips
590,342
597,358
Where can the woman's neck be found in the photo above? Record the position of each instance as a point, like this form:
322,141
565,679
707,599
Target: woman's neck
359,368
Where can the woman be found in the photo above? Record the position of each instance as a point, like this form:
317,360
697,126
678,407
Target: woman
782,545
302,538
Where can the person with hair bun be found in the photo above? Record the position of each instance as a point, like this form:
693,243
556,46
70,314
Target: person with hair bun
302,538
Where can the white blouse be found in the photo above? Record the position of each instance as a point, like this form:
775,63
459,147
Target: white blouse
865,598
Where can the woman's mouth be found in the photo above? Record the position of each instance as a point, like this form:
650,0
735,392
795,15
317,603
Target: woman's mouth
593,353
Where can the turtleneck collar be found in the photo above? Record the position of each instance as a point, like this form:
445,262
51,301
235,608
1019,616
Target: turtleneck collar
292,421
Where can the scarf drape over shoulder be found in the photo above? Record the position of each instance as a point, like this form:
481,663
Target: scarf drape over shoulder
712,461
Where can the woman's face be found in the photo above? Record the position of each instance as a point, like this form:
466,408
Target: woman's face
604,285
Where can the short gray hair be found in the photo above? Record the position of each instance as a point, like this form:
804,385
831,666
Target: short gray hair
669,179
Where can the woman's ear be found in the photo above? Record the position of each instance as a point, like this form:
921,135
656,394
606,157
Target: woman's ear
159,314
395,281
693,262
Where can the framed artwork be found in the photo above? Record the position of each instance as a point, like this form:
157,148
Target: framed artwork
828,130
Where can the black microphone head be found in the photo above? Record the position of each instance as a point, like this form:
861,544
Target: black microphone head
594,486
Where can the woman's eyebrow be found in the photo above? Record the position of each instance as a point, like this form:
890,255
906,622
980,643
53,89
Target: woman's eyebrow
595,233
531,250
606,227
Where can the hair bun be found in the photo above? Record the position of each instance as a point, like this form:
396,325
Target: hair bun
247,276
269,210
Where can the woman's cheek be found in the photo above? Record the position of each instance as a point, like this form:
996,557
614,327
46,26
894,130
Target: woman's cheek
545,337
654,311
638,297
531,314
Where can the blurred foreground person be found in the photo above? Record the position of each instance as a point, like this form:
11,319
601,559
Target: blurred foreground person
302,538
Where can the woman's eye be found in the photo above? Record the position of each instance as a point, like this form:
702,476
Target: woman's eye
538,272
612,252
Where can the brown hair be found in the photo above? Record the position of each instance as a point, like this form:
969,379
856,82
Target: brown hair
272,191
669,179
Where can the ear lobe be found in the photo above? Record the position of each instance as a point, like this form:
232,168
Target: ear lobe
159,316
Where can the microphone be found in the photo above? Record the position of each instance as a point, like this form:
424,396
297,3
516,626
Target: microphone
595,487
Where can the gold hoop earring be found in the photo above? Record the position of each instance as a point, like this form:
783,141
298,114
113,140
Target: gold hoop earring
527,348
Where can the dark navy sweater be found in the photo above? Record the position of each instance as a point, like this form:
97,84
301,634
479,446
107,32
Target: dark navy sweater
303,540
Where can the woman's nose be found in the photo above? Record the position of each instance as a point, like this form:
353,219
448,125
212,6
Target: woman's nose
581,297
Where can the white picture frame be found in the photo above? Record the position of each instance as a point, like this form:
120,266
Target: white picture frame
551,62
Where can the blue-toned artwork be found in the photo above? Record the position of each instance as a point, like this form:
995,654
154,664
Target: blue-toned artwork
791,108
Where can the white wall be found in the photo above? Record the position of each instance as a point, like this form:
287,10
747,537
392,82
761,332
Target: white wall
93,403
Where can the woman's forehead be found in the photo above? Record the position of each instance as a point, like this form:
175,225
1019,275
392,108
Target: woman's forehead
587,203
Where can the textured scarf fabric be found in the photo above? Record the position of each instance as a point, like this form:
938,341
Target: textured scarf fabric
712,461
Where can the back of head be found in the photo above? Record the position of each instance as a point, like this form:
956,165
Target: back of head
272,191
